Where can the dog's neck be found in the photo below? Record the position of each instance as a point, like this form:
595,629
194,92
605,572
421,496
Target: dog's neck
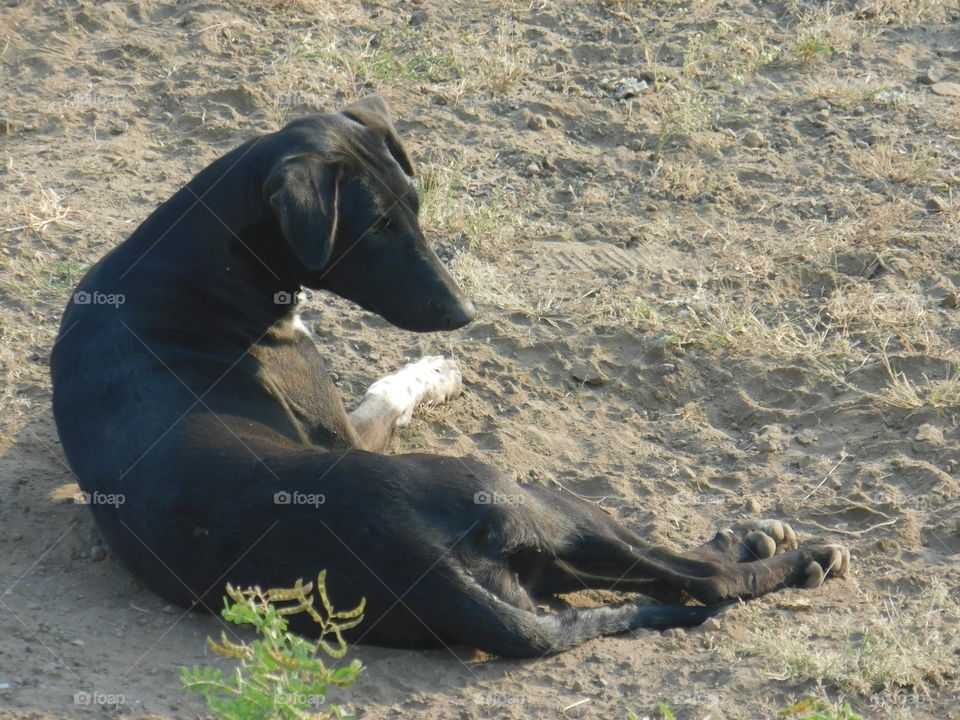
232,264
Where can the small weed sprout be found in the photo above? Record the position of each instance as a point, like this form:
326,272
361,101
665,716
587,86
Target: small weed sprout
818,709
280,674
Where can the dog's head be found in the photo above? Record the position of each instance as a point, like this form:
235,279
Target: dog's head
344,199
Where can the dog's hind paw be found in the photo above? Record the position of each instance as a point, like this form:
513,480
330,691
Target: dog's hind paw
829,560
747,542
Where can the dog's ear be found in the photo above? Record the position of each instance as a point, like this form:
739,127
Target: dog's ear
372,112
303,193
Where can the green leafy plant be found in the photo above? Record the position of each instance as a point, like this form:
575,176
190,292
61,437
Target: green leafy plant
281,676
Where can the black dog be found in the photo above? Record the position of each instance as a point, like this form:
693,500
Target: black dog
197,415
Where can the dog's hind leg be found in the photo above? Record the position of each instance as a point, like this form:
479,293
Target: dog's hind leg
751,560
389,403
474,616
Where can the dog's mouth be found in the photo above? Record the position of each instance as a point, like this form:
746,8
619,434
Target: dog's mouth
434,317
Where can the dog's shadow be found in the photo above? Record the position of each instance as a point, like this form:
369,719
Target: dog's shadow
73,616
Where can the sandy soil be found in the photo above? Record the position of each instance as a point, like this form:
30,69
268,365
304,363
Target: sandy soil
714,246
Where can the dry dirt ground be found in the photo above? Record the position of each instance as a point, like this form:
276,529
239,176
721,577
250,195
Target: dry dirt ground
714,248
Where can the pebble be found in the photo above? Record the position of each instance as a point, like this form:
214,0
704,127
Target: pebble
168,609
708,714
753,139
752,506
951,301
98,553
77,642
772,439
860,110
806,437
536,122
711,625
930,77
935,204
675,633
533,169
950,89
418,17
687,472
588,375
630,87
929,435
821,104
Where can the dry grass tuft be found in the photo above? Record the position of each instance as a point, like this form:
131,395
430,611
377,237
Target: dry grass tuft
909,644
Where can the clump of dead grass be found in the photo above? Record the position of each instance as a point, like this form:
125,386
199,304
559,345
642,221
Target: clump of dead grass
905,643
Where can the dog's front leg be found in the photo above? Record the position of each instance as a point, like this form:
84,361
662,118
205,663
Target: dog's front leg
390,401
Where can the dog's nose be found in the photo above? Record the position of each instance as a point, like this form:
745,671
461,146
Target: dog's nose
460,314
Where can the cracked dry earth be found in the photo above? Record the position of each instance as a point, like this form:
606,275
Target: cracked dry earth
714,248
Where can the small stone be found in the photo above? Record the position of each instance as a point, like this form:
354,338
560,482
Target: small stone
931,77
823,114
753,139
806,437
536,122
675,633
711,625
752,506
630,87
418,17
533,169
821,104
77,642
687,472
98,553
929,435
651,207
935,204
772,439
951,301
550,162
708,714
588,375
860,110
947,89
637,145
168,609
